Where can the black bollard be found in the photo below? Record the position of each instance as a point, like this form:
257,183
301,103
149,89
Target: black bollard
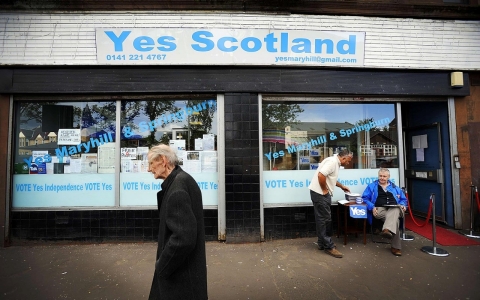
471,233
404,236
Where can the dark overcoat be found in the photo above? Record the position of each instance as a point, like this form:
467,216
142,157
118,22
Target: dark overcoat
180,267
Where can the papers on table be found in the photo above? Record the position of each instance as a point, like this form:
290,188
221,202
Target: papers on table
353,194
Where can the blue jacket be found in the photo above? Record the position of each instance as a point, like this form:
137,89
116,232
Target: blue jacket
370,195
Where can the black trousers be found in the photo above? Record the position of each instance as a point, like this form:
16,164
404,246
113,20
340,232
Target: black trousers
323,218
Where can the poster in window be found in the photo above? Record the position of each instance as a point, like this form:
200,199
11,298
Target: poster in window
178,147
192,163
89,163
76,165
208,142
209,161
129,153
126,165
142,153
69,136
106,158
199,144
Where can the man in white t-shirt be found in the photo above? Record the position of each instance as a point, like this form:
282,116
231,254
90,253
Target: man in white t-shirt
321,191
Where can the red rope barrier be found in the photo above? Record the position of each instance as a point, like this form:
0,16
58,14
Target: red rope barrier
411,214
478,200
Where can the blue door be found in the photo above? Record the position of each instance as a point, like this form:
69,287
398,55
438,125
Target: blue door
427,152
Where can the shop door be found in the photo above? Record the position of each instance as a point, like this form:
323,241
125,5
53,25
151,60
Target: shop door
428,158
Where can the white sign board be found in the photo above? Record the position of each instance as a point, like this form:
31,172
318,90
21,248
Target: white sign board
282,188
69,136
129,153
196,46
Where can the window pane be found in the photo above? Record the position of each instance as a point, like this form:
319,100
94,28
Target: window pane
188,125
69,148
298,136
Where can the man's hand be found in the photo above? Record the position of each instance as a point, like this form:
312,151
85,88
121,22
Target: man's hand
344,188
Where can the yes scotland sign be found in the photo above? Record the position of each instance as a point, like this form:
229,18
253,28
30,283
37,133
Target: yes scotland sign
358,211
199,46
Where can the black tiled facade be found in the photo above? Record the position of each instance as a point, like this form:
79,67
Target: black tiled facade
242,179
97,225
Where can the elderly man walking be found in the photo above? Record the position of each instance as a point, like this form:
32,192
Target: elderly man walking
180,267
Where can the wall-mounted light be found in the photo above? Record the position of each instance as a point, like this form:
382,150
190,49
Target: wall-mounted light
456,79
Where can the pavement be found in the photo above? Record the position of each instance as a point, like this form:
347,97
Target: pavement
278,269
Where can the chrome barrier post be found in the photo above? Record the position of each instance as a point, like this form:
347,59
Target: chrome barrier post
404,236
434,250
471,233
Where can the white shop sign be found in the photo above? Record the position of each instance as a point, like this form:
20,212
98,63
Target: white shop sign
196,46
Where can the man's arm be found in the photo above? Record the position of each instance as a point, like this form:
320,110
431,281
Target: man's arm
367,197
344,188
322,180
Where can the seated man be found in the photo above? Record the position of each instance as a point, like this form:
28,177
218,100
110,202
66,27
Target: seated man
386,201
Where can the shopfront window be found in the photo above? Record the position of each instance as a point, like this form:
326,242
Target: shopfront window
297,136
64,154
189,126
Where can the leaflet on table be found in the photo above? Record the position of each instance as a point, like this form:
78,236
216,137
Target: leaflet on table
353,194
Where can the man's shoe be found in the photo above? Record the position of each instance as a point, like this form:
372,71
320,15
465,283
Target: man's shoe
321,247
334,252
396,252
386,234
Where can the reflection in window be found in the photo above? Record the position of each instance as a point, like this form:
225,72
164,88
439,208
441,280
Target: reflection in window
188,125
297,136
88,128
